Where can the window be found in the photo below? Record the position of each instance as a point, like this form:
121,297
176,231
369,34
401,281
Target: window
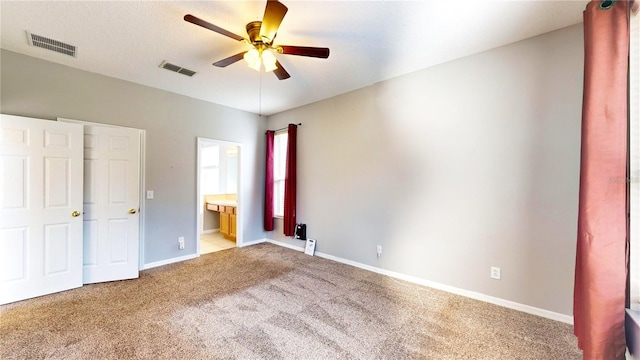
279,171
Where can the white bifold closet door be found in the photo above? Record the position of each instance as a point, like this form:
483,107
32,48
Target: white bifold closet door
40,207
111,203
69,205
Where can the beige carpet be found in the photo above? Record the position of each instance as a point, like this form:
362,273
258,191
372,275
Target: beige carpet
268,302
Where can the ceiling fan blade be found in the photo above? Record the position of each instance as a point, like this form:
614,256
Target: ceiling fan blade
273,15
305,51
280,72
230,60
194,20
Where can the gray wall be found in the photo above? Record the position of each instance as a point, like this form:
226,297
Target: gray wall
40,89
454,169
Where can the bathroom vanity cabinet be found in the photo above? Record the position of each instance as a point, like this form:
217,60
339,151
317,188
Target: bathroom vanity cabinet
227,218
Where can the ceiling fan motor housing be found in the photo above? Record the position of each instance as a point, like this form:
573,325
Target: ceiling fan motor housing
253,30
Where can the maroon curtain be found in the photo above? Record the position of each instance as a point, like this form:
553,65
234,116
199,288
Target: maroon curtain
268,183
290,182
602,254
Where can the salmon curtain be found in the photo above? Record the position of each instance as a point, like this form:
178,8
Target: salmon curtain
290,182
268,183
602,246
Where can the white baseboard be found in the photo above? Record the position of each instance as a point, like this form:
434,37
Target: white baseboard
169,261
254,242
210,231
451,289
192,256
284,244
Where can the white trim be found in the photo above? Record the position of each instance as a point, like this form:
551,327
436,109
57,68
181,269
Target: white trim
143,202
254,242
284,244
210,231
450,289
169,261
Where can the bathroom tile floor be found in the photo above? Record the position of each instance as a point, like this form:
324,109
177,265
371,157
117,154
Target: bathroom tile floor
214,242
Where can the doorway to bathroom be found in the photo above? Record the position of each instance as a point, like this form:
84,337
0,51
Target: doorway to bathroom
218,194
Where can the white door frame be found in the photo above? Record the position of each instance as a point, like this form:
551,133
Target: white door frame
239,229
141,219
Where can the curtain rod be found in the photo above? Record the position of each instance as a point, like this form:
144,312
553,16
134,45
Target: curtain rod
285,128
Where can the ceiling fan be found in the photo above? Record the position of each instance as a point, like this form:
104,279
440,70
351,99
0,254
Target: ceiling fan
261,37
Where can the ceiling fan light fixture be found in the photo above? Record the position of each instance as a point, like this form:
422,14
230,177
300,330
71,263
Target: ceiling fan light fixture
261,40
269,61
252,58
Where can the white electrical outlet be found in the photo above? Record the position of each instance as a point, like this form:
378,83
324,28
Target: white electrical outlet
181,243
379,250
495,273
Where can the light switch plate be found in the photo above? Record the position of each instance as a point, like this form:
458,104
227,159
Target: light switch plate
149,194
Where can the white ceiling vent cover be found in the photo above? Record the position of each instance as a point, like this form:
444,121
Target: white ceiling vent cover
50,44
176,68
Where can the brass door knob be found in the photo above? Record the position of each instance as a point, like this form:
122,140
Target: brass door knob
75,214
132,211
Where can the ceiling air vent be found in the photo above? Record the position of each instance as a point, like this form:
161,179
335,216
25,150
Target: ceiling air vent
176,68
50,44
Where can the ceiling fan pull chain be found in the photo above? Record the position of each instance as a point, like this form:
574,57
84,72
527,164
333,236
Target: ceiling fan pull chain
260,96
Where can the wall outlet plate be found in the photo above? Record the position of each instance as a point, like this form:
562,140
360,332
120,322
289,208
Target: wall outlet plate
495,273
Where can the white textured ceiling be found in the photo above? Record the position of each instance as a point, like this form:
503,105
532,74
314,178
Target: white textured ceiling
370,41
